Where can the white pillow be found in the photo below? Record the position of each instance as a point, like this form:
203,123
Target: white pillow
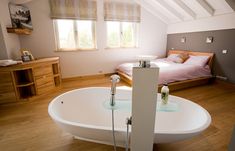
197,60
175,58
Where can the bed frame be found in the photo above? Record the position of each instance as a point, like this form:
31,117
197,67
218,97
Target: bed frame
180,84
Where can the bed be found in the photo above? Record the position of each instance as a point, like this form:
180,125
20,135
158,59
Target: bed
176,75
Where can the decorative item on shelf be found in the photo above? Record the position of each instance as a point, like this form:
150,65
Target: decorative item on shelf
26,55
20,19
183,40
209,39
164,94
25,58
8,62
20,16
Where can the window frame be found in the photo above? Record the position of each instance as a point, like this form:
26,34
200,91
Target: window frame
136,34
76,37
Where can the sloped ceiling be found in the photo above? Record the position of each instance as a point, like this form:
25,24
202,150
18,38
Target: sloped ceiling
175,11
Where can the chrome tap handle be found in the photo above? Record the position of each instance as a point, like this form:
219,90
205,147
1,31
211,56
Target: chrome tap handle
114,79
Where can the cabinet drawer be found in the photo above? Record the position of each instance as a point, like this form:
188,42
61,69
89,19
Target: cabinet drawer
6,87
42,80
6,84
7,97
7,91
45,88
5,77
42,70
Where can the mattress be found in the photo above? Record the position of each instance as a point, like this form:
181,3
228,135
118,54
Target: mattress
171,72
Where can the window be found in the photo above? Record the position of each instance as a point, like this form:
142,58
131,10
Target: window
122,34
75,34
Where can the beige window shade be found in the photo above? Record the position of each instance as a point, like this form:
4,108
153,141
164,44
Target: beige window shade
121,11
73,9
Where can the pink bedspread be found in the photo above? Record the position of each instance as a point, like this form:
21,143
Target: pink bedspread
170,71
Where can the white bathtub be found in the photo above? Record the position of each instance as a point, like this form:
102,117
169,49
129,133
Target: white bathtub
81,113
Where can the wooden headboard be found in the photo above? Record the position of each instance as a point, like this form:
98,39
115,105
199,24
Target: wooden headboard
194,53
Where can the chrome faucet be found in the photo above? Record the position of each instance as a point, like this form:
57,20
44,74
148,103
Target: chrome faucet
114,79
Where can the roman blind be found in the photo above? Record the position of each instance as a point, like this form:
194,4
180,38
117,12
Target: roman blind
121,11
73,9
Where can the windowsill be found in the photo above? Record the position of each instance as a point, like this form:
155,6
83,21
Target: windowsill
113,48
75,50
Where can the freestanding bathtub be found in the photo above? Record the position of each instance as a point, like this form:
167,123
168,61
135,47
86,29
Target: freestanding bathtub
82,113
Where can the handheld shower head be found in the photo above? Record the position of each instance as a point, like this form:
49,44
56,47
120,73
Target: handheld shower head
115,78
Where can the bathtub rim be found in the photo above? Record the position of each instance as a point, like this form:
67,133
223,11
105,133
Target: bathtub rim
61,120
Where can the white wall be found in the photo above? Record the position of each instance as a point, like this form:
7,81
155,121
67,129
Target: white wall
42,44
10,41
3,49
226,21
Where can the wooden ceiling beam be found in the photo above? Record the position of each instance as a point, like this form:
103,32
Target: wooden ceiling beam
186,9
206,7
231,3
167,8
153,11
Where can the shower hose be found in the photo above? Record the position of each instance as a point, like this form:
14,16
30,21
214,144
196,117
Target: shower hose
114,139
128,122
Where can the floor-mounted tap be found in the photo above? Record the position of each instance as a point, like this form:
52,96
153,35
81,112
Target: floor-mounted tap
114,79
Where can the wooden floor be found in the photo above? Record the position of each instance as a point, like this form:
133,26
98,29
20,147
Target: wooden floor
27,126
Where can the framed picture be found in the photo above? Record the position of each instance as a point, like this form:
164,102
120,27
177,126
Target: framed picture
26,58
26,55
20,16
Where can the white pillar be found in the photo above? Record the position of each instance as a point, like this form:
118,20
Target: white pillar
144,100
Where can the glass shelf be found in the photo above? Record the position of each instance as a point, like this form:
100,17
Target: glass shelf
119,105
125,105
169,107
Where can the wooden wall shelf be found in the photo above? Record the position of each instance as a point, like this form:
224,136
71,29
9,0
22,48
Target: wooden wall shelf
29,79
21,31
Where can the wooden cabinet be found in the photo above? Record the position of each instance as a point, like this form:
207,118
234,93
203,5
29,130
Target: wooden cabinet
7,91
44,78
24,83
30,79
45,83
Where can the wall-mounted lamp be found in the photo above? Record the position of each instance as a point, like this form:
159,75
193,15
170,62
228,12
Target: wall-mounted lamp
183,40
209,39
